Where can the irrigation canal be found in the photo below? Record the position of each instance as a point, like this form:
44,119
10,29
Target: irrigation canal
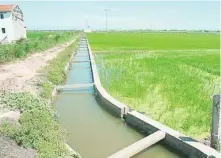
93,131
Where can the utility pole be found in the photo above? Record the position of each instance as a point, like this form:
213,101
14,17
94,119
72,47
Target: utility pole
106,10
86,24
216,123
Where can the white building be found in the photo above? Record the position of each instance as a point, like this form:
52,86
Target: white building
87,30
12,25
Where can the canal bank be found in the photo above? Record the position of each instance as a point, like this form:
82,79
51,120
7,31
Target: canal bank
93,131
28,118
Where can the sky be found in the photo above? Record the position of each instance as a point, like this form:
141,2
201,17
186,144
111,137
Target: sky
188,15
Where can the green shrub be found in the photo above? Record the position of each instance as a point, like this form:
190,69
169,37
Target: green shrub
39,131
58,37
24,47
7,53
47,89
22,101
38,127
20,50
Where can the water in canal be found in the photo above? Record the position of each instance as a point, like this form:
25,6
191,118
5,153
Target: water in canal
93,132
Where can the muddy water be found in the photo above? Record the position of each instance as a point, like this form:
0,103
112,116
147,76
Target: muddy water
93,132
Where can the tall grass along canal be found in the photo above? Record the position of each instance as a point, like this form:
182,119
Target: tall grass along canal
93,131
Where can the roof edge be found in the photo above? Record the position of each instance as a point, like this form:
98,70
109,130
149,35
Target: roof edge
13,6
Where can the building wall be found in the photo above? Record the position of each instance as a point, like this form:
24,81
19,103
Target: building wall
19,30
7,24
14,25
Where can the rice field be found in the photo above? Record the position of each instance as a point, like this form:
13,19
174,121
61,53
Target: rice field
153,41
37,34
174,87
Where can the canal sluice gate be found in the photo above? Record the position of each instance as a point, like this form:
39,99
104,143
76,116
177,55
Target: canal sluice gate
93,131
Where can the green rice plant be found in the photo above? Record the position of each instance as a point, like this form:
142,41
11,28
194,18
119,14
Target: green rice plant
37,34
121,41
174,88
21,101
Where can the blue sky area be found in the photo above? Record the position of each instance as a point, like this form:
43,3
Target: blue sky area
122,15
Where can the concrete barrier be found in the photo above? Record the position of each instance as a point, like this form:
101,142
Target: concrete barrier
216,124
74,86
173,139
114,106
139,145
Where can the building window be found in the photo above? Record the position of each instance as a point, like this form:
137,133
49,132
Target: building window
2,16
3,30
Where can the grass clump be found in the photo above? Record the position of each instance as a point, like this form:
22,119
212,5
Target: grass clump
39,131
22,101
23,47
47,88
38,127
174,88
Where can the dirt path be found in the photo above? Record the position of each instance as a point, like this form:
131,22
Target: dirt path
20,76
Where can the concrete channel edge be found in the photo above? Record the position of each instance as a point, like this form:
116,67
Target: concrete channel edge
173,139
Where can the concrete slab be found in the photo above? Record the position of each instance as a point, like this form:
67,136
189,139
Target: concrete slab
173,139
74,86
139,145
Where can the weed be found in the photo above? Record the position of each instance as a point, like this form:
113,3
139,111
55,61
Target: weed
38,127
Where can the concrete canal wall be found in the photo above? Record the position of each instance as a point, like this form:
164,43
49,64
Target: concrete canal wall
115,107
173,139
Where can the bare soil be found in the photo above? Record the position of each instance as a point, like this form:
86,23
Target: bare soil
21,76
9,149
